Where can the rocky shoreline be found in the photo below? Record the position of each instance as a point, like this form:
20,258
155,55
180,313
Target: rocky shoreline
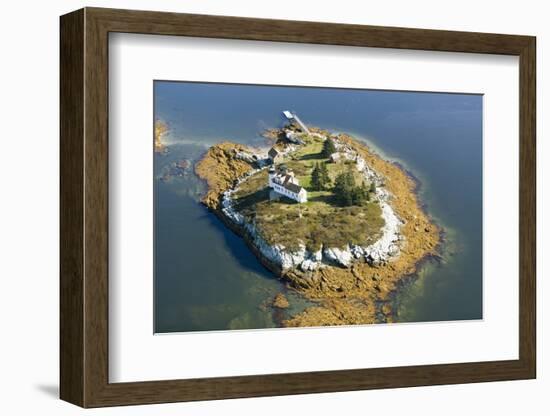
348,282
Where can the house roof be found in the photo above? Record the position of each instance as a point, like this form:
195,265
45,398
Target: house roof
273,152
293,187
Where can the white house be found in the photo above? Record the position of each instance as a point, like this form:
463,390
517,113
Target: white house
284,183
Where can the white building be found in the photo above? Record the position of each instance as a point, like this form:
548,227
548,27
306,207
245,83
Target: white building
284,183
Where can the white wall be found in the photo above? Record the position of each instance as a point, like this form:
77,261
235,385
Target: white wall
29,209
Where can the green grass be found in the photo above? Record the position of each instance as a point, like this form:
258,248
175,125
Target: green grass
314,224
304,159
252,184
320,220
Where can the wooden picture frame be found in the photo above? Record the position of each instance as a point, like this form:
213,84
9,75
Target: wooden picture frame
84,207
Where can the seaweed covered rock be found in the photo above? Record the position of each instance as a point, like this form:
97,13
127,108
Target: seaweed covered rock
221,168
280,301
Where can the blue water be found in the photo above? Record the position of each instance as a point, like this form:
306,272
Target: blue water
206,278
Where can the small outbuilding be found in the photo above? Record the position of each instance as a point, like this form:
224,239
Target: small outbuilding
274,154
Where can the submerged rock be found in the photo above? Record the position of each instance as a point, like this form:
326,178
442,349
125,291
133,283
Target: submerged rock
280,301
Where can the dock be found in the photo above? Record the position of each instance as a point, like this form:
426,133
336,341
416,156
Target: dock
294,118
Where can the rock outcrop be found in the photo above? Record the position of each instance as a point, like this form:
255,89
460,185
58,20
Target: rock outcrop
220,168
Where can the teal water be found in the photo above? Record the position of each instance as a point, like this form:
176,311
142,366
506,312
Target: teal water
205,276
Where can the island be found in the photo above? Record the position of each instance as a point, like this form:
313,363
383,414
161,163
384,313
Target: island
325,213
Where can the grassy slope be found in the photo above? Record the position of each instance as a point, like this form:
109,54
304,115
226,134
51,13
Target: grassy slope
320,220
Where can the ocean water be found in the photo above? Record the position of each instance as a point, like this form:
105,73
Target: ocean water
205,276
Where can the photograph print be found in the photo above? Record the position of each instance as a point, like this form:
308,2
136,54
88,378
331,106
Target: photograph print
291,206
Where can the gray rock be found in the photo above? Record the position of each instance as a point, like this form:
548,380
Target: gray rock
357,251
309,265
339,256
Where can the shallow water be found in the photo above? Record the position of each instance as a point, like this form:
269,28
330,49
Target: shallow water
205,276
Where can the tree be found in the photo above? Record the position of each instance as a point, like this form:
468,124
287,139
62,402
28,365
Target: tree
366,192
344,187
325,178
320,178
372,187
347,193
328,147
361,194
316,181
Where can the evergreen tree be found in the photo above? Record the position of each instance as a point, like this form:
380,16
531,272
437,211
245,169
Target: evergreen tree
325,178
328,147
320,179
366,192
344,188
358,195
361,194
372,187
316,181
347,193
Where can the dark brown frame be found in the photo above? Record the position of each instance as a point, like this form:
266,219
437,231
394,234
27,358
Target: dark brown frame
84,209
